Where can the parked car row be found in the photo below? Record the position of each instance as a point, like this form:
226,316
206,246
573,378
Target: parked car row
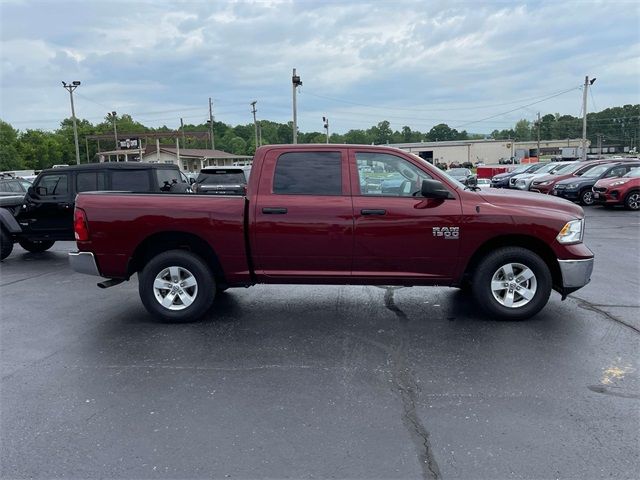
605,181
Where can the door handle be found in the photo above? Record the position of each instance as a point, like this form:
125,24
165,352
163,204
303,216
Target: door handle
274,210
373,212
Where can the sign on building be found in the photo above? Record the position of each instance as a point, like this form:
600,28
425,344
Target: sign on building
129,143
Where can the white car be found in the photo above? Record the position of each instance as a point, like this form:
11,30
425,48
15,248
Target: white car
523,181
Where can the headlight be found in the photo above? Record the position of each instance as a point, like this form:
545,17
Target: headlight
571,186
545,183
571,232
619,182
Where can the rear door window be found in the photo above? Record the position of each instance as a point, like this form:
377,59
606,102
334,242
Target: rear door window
131,180
90,181
167,177
308,173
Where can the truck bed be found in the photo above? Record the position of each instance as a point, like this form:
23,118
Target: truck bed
128,222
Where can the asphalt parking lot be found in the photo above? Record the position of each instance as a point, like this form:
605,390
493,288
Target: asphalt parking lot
321,382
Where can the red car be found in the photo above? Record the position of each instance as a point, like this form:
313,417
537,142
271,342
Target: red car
619,191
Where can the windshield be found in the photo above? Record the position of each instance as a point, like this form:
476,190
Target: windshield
566,169
596,171
221,178
635,173
548,168
521,168
459,171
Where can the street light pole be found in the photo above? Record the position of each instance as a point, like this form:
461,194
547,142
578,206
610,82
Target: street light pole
295,80
587,83
70,88
255,123
326,126
113,116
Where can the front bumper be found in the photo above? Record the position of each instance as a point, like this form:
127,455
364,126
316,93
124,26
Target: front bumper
568,194
546,189
84,262
575,273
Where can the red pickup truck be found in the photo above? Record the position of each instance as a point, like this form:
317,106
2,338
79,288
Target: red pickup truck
335,214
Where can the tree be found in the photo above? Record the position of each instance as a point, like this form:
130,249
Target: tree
441,132
523,130
10,158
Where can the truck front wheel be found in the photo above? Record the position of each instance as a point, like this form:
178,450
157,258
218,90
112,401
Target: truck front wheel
512,283
176,286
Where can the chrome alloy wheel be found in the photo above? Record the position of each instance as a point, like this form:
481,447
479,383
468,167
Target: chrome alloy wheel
175,288
633,201
513,285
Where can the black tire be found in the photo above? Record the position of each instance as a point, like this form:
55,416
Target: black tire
586,197
189,267
6,244
632,200
36,246
490,269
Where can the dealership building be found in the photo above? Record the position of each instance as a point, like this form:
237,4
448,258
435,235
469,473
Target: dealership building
486,150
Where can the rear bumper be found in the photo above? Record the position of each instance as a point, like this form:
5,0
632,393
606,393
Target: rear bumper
84,262
575,273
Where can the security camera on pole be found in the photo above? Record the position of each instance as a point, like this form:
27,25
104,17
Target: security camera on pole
70,87
295,80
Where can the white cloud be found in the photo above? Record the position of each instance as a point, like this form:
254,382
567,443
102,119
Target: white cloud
406,54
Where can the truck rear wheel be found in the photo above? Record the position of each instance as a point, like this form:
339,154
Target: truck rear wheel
36,246
512,283
176,286
6,244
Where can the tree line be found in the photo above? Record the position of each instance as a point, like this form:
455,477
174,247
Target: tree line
37,149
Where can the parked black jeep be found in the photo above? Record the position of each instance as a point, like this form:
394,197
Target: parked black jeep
46,213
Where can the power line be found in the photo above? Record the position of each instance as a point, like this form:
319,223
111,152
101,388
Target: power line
477,107
518,108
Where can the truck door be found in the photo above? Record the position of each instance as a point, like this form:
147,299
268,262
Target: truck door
303,217
397,232
49,208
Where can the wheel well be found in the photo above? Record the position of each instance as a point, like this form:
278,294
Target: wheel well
530,243
161,242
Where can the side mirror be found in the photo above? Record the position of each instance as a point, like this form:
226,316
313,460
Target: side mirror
30,191
434,189
472,182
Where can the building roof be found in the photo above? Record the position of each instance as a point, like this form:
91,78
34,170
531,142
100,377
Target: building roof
194,152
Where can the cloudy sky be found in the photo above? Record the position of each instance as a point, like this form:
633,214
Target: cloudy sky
472,65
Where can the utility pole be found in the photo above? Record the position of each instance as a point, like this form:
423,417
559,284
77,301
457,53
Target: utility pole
184,142
538,136
70,88
86,144
255,122
584,115
213,143
326,126
295,80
